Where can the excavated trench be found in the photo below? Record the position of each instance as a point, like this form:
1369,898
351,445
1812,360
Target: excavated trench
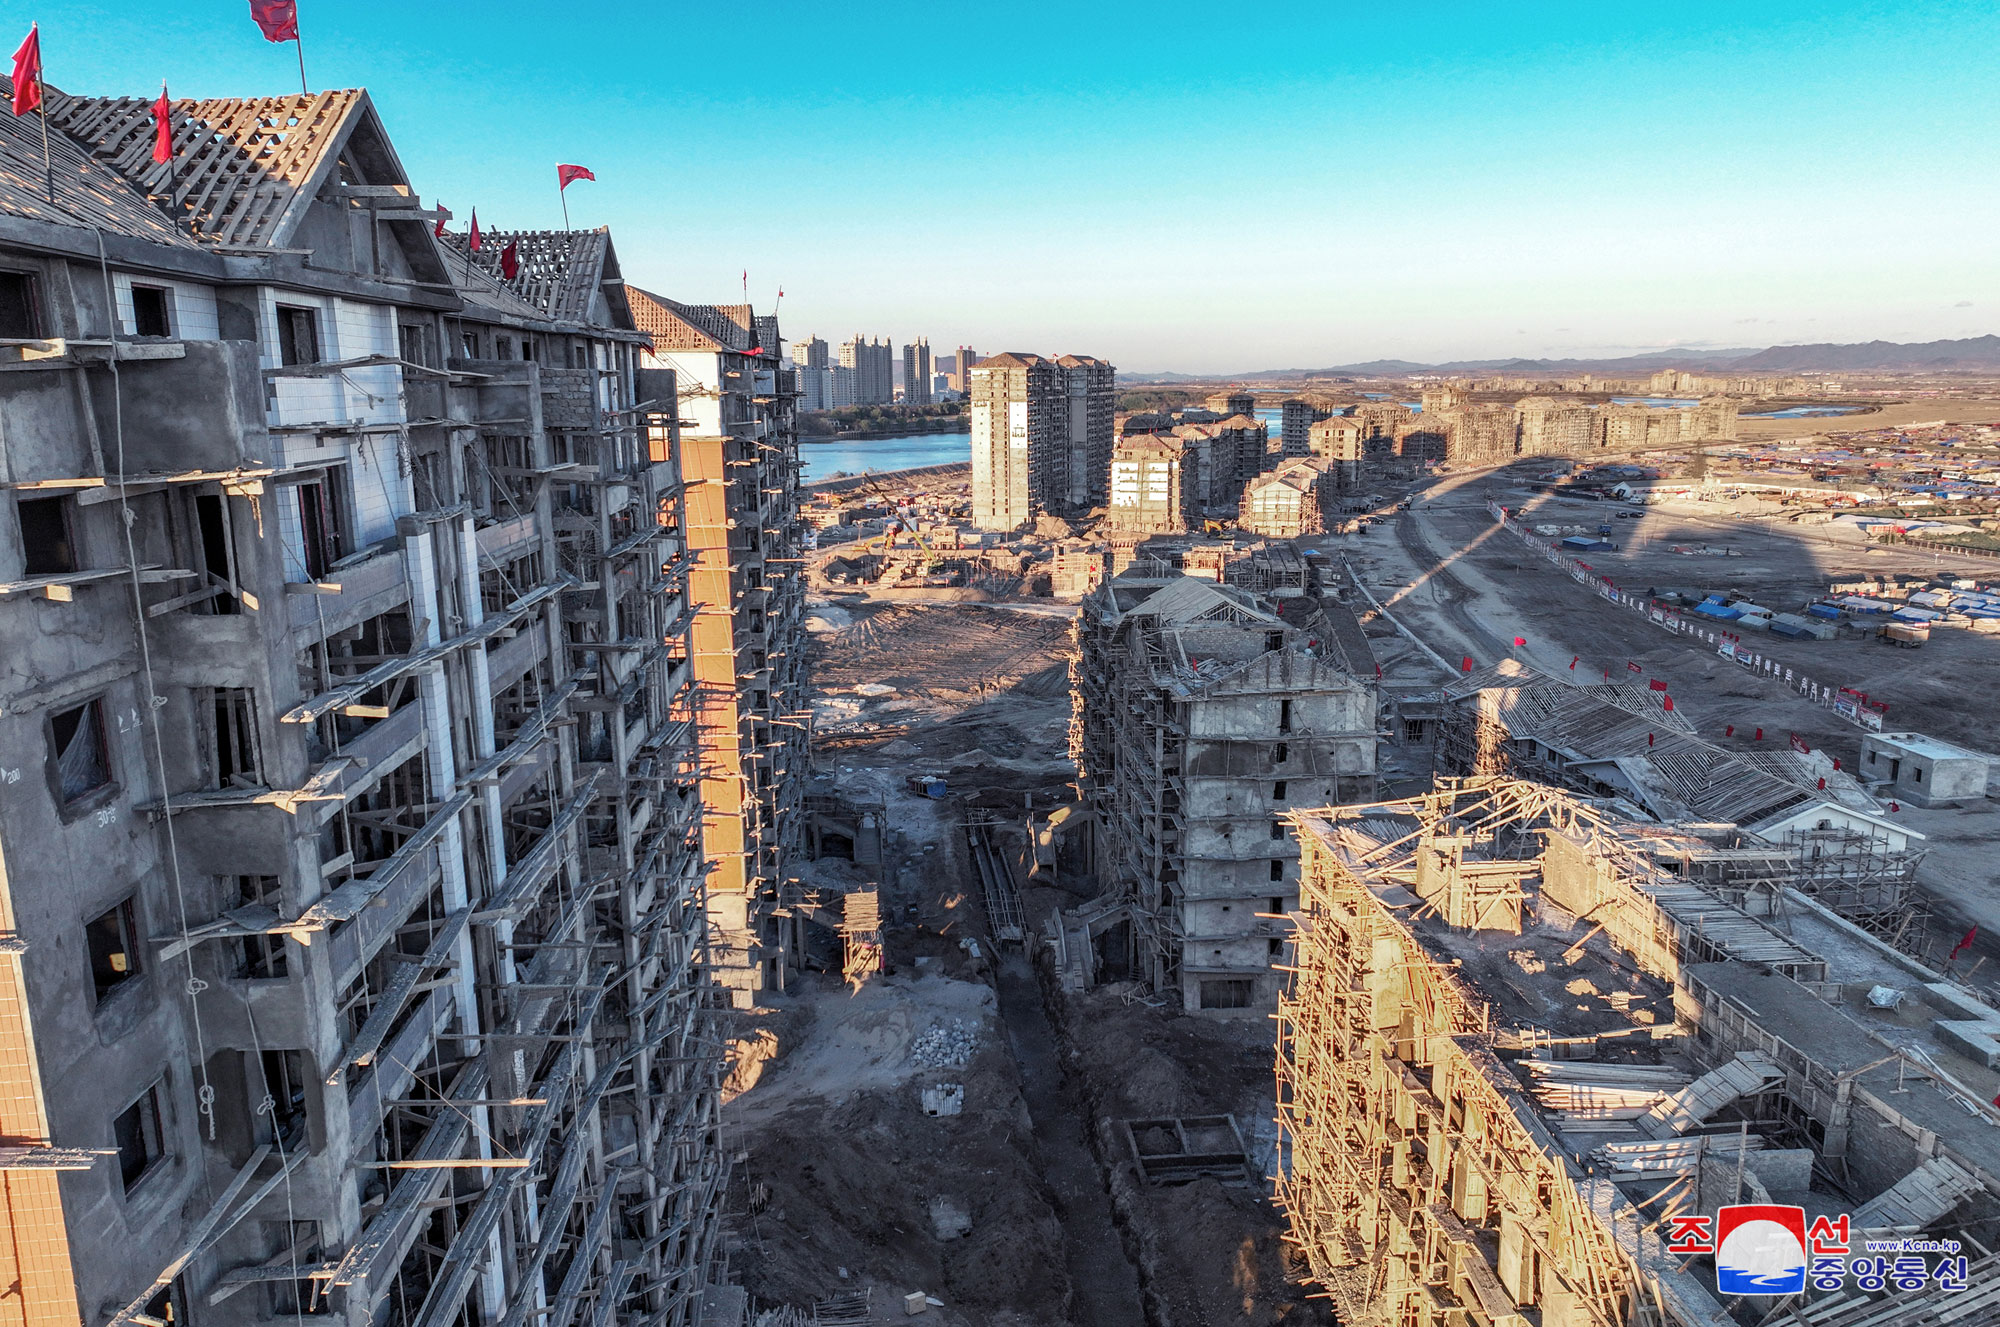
1106,1286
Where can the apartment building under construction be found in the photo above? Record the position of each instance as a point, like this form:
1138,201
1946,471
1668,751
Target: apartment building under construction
350,833
1524,1064
1203,713
739,454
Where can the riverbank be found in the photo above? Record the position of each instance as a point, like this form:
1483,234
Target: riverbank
923,473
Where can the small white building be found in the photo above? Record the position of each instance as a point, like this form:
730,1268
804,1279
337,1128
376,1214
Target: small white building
1923,770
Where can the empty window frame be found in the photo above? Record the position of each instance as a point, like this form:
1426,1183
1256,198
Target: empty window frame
229,730
20,306
298,335
263,955
322,523
79,761
1284,716
152,310
113,941
48,548
139,1137
1277,868
415,340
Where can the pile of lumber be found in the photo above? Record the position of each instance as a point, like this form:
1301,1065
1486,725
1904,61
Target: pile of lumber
1662,1158
1593,1090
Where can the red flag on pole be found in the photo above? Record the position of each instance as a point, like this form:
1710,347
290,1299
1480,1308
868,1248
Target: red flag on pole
1519,641
568,175
438,229
1822,785
1649,739
1631,667
28,72
1656,685
1572,661
475,230
1466,666
1730,731
1966,943
163,128
510,260
1670,705
278,18
1799,745
1760,734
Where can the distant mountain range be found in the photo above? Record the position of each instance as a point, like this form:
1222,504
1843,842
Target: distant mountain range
1973,354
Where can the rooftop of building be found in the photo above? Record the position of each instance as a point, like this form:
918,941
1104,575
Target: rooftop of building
1925,747
678,326
561,274
1010,359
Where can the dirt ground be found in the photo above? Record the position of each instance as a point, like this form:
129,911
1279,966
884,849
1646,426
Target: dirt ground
1468,588
842,1169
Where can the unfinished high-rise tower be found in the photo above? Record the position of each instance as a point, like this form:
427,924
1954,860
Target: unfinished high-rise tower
349,830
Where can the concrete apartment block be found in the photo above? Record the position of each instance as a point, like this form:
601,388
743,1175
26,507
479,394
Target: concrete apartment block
1203,716
349,855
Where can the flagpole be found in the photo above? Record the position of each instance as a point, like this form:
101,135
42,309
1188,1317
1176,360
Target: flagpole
563,194
42,105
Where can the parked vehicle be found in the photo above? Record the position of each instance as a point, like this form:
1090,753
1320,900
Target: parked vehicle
1908,635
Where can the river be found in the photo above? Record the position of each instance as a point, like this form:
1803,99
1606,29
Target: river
858,456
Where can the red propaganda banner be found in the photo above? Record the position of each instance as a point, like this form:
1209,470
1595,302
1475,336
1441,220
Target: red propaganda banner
279,19
28,72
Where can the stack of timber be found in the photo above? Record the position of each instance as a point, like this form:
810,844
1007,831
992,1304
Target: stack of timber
1589,1090
1663,1158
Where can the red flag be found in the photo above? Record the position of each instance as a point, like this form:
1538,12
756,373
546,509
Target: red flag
1572,661
438,229
1836,764
568,175
1519,641
1670,705
510,260
278,18
1799,745
1466,666
475,230
1631,667
28,72
1656,685
163,128
1822,785
1730,731
1649,739
1760,734
1894,806
1966,943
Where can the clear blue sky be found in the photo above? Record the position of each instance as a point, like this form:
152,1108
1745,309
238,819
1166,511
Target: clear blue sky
1204,188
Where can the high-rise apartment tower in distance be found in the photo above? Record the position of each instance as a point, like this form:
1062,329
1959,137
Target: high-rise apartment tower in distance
1016,411
1042,434
1091,388
810,353
917,372
962,366
874,370
740,458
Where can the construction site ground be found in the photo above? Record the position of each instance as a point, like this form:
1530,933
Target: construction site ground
1467,588
1022,1209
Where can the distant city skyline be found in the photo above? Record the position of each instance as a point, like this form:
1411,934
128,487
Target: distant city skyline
1458,183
